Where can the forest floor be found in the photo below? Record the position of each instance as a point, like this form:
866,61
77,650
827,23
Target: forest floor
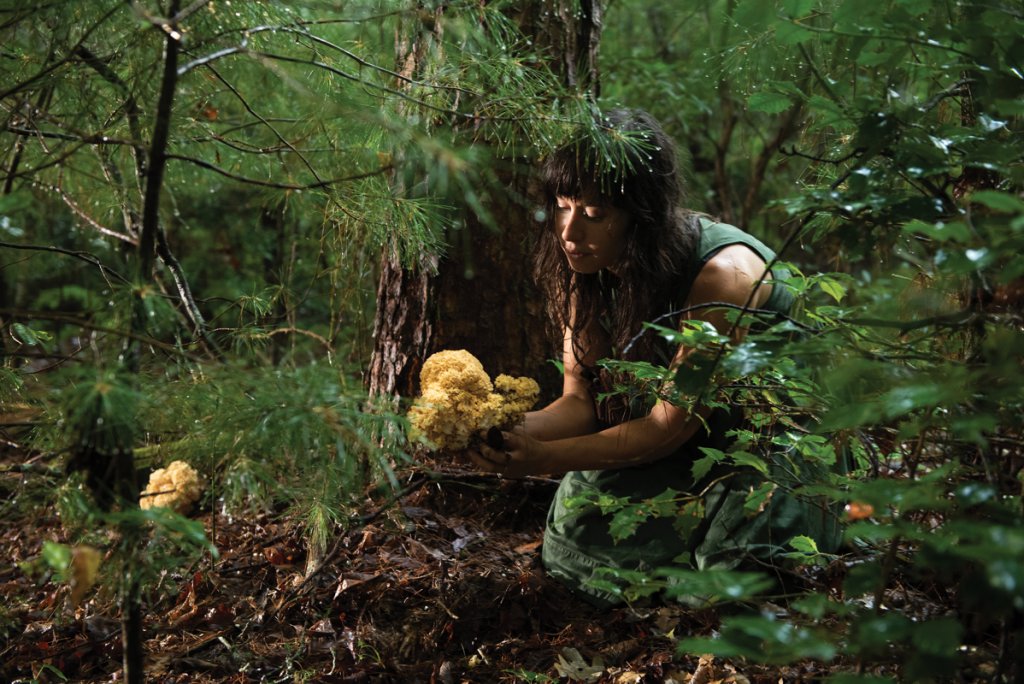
442,586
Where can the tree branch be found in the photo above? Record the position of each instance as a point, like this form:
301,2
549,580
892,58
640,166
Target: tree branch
266,123
61,62
272,184
83,256
188,303
157,152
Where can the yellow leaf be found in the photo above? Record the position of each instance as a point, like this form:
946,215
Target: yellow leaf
85,566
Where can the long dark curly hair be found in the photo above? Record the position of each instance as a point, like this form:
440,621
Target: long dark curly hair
631,163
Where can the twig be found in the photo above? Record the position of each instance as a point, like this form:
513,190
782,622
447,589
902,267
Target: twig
192,311
157,154
31,468
84,256
793,152
272,184
265,122
59,63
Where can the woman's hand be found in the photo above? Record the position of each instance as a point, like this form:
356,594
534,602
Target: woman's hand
520,455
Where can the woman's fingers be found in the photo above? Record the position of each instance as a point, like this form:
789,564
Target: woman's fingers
491,460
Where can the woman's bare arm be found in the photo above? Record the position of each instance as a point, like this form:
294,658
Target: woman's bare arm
729,277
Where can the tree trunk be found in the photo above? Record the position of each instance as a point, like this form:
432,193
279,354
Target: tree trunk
482,297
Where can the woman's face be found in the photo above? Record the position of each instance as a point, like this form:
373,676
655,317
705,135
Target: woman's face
591,231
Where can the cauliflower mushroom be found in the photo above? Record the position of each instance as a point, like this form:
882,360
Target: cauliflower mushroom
458,400
176,486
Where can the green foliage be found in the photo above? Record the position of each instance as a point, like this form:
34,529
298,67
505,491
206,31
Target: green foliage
100,412
265,437
905,175
764,638
877,145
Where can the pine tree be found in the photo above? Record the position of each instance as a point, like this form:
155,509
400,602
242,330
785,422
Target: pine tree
480,296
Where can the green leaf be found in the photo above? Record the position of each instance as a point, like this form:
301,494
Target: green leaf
28,336
626,521
745,458
764,639
955,231
689,518
804,544
940,637
876,633
791,33
833,288
57,557
702,466
758,498
754,15
798,8
999,201
747,357
713,585
769,102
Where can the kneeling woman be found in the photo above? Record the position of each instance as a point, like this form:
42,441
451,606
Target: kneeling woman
618,250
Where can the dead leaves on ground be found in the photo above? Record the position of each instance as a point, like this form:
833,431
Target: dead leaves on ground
446,587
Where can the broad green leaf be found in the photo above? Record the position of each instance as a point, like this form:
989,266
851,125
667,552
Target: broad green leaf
798,8
57,557
745,458
999,201
702,466
876,632
763,639
713,585
804,544
26,335
758,498
833,288
941,636
689,518
955,231
626,521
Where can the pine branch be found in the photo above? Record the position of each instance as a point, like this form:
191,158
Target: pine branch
273,184
88,139
131,107
265,122
86,324
81,213
18,87
83,256
188,303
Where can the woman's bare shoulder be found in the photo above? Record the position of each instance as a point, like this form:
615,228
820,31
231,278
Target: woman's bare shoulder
730,275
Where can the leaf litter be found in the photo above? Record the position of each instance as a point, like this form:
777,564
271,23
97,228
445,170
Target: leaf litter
444,586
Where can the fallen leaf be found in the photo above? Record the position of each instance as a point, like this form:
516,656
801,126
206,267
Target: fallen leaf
529,547
323,627
85,565
572,665
858,510
705,671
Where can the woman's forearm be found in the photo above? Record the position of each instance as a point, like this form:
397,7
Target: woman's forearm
568,416
637,441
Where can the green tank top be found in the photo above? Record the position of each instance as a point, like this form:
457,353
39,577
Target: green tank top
577,540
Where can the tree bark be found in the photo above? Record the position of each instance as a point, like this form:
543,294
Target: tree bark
482,297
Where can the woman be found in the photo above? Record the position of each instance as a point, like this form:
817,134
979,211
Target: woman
617,251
